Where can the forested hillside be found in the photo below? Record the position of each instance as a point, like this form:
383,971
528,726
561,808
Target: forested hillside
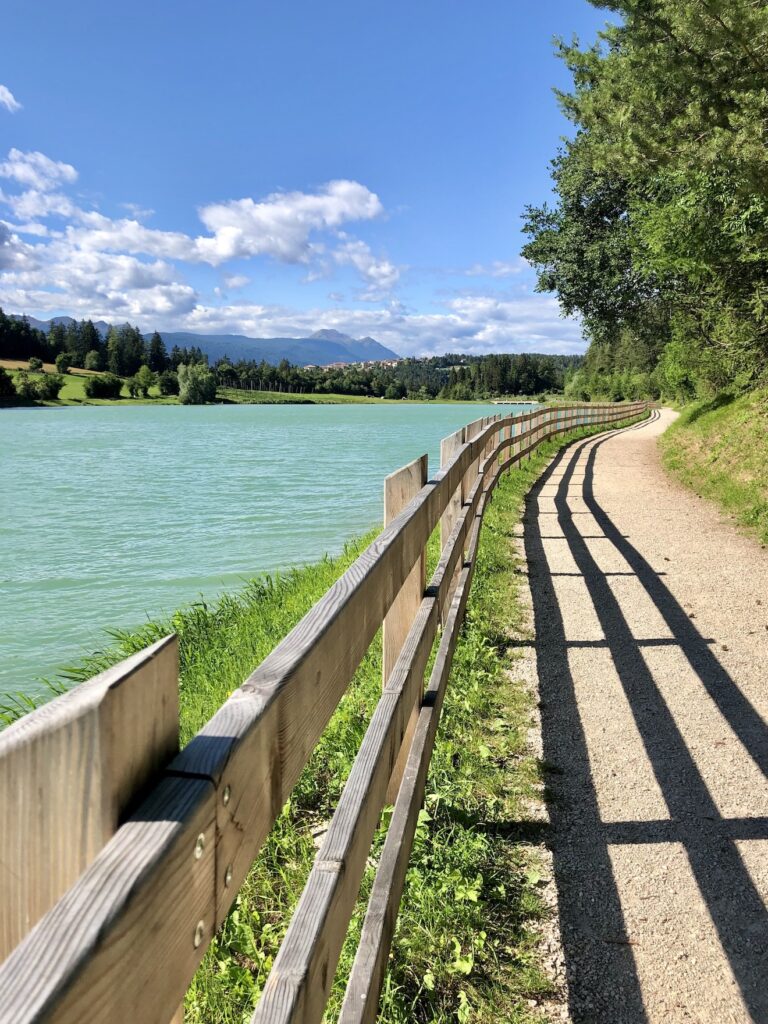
659,235
125,353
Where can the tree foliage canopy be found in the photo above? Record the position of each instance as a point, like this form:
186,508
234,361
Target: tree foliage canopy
659,238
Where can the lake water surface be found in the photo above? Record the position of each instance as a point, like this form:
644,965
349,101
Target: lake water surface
111,515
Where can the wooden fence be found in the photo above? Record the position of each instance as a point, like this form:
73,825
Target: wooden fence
120,856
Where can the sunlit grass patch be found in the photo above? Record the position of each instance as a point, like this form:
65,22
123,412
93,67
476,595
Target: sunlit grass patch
719,448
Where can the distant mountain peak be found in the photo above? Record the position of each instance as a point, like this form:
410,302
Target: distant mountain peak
331,335
321,348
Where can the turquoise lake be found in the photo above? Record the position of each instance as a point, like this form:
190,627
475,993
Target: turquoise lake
110,516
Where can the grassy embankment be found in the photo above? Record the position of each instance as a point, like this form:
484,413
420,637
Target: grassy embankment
720,449
466,946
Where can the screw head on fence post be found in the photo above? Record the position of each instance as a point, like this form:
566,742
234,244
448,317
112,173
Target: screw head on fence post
200,846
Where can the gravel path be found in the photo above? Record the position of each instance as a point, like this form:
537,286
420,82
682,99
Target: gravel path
651,625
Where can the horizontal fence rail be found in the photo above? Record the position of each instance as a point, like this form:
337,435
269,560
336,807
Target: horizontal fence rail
151,846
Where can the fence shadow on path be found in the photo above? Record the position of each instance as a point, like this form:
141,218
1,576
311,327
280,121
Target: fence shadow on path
603,979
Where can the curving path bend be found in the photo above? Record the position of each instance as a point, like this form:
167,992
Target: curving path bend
651,649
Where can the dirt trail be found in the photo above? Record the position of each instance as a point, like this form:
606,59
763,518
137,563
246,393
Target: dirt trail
651,620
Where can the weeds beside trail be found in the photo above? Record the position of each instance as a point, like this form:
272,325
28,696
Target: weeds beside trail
465,948
719,448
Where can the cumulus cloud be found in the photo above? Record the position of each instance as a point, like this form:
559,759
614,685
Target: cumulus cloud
15,254
8,100
466,324
58,256
379,275
97,262
280,225
35,203
36,170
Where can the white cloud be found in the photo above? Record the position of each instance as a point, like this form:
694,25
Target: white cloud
15,254
466,324
34,203
234,281
36,170
58,257
498,268
139,212
280,225
8,100
380,275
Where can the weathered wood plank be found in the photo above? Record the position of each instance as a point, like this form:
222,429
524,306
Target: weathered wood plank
256,745
368,972
369,968
123,942
70,770
400,488
298,986
449,448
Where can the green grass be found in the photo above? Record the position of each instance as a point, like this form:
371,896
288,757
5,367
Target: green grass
73,393
465,948
719,448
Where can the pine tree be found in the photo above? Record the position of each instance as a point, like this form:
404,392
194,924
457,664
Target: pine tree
158,355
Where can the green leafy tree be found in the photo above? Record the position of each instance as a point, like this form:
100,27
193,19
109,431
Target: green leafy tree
47,387
168,383
126,350
139,384
94,360
25,386
62,362
660,231
35,364
197,385
103,385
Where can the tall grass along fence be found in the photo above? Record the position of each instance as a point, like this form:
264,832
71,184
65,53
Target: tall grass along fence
120,855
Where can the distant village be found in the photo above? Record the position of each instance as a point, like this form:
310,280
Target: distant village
367,364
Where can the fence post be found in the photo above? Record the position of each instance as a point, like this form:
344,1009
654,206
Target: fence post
400,488
70,771
471,431
449,447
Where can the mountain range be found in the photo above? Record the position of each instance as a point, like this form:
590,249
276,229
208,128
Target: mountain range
321,348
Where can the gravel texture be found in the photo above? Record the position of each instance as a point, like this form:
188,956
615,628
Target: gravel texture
650,613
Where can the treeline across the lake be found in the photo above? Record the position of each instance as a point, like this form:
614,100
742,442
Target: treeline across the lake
122,352
125,358
478,377
659,235
453,376
122,359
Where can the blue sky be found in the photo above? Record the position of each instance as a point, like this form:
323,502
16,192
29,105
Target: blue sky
276,168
